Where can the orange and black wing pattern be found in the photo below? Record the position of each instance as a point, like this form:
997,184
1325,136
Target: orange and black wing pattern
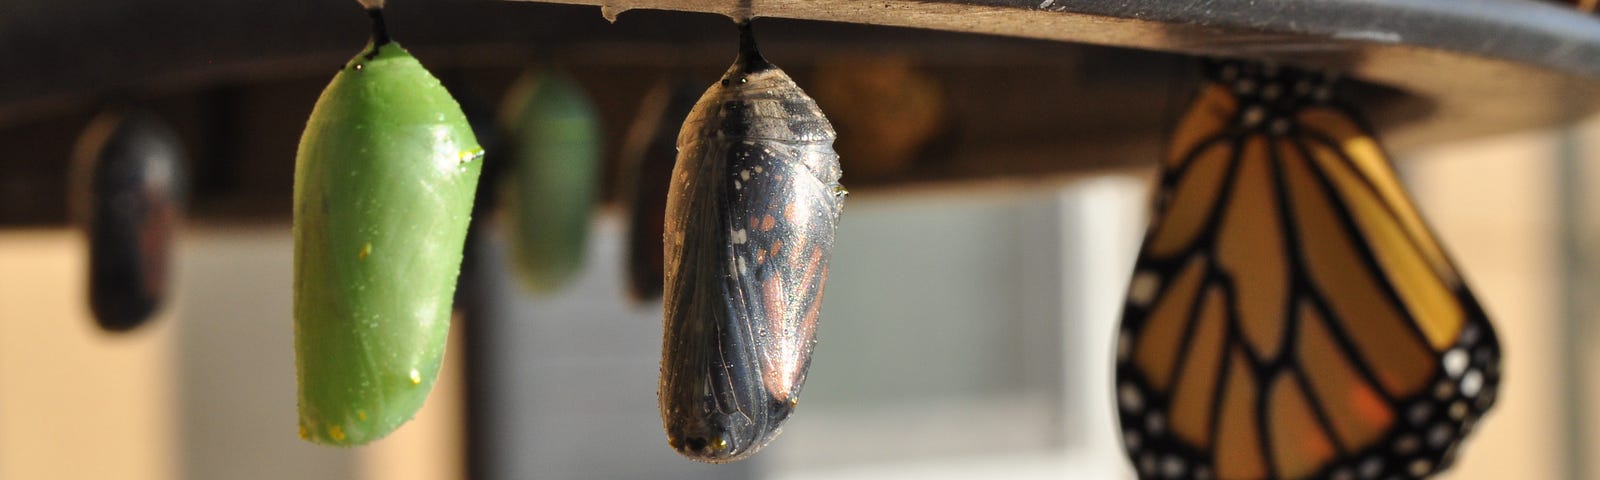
1290,314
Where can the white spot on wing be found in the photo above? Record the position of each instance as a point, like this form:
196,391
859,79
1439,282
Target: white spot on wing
1407,445
1444,390
1155,423
1130,398
1124,346
1370,468
1143,288
1420,468
1439,435
1253,116
1455,362
1471,383
739,236
1172,466
1420,413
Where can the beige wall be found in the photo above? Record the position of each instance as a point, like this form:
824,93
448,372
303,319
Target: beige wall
76,403
206,390
1489,201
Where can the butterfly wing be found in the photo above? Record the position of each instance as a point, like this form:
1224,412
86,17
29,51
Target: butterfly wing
1290,315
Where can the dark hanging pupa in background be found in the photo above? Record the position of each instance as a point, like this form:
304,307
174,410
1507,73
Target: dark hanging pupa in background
384,182
751,213
648,154
486,127
553,176
892,115
128,194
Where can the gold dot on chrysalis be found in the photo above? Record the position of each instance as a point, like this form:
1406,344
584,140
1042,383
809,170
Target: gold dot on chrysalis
465,156
365,251
416,377
303,433
361,414
336,433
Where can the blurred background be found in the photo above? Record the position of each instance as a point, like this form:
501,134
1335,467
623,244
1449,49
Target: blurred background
976,283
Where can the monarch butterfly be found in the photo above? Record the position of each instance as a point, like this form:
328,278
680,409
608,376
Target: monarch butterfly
384,180
554,176
1290,314
129,187
650,151
750,221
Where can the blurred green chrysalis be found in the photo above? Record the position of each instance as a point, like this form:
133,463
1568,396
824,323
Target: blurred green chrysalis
384,182
553,176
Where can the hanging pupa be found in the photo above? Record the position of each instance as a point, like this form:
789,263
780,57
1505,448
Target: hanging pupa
384,182
486,128
128,189
553,177
649,153
751,212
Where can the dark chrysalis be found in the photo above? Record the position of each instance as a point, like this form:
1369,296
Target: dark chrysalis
650,153
129,193
750,221
481,117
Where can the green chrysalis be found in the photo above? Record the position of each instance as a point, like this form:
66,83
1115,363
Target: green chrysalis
554,176
384,181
